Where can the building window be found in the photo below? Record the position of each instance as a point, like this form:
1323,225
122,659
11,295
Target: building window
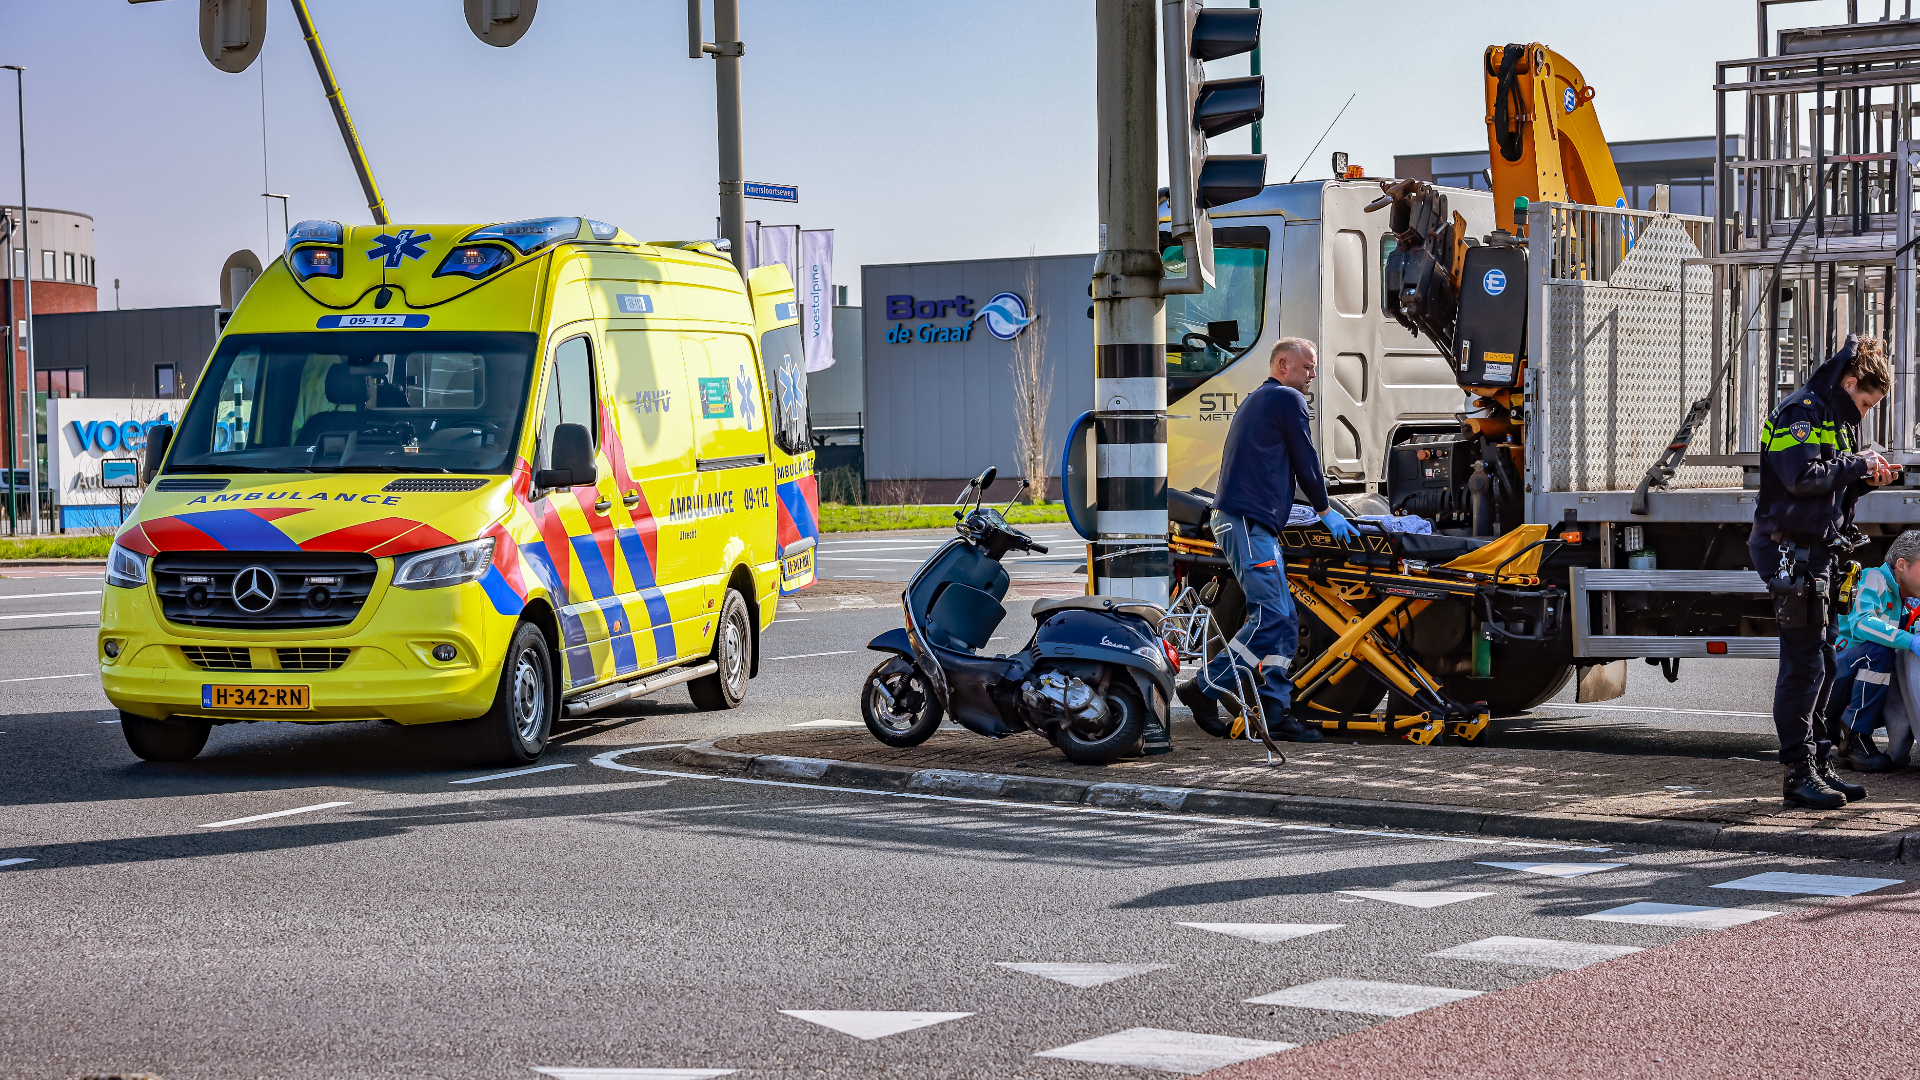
46,265
61,382
69,266
20,263
164,385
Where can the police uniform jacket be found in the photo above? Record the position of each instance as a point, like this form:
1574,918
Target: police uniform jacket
1810,472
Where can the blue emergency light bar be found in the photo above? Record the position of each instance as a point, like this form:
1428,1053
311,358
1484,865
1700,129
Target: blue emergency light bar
531,235
474,261
312,262
316,232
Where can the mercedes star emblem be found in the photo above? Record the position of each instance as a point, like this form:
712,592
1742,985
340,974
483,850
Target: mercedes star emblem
255,589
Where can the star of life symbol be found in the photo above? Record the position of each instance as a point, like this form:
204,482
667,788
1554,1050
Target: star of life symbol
793,394
749,401
407,245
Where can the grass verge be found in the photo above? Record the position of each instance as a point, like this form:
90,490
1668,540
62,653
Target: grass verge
56,547
835,518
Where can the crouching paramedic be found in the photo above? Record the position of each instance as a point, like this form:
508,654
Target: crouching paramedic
1872,636
1810,475
1269,449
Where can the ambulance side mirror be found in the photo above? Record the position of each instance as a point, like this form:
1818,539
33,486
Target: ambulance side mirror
570,459
159,436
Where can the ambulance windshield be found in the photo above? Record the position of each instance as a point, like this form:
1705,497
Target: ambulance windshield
358,401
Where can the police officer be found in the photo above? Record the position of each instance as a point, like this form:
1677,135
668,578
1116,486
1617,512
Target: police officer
1810,474
1269,449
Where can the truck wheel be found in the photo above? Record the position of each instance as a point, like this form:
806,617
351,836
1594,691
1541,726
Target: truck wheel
1522,678
733,651
1126,724
515,730
164,740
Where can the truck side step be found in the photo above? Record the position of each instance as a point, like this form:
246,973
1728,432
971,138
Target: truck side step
1585,582
595,700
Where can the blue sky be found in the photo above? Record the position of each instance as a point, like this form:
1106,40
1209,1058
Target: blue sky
918,130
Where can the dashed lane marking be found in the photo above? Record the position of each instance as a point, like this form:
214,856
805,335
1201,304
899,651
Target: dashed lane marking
1416,899
828,723
1644,708
43,678
1364,996
1555,869
1535,952
872,1025
41,595
634,1073
516,772
1265,933
1809,884
1680,916
49,614
1168,1051
275,814
1084,975
811,655
14,862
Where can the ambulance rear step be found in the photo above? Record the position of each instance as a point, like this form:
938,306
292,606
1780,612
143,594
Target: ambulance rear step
595,700
1588,585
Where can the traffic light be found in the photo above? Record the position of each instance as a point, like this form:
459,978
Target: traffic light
1199,108
500,23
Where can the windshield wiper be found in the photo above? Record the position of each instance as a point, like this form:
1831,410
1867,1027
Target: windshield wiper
188,468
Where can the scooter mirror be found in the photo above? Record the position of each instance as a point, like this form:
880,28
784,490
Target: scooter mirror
985,479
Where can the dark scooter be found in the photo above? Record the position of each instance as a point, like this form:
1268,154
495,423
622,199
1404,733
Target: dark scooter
1092,677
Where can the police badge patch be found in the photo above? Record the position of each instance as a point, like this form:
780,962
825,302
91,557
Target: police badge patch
1800,431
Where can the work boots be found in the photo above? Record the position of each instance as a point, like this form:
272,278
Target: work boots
1282,725
1858,753
1206,711
1823,768
1804,788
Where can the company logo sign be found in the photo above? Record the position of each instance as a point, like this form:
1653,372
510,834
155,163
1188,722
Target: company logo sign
255,589
1495,282
1004,317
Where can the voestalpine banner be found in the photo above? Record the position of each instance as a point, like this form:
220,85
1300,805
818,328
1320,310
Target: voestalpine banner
83,432
750,244
814,286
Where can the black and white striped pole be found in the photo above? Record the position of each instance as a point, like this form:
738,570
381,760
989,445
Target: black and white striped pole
1129,554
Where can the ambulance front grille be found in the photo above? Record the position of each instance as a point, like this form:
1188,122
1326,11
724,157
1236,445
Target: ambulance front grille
308,590
311,659
435,483
219,658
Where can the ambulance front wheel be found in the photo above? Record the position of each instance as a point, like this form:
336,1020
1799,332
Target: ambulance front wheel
733,652
164,740
515,730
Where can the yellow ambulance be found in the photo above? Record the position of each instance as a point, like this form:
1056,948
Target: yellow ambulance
498,474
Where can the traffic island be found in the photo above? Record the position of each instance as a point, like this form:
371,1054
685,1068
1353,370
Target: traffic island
1704,803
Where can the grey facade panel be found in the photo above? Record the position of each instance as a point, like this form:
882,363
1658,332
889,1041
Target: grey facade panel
944,409
837,395
121,349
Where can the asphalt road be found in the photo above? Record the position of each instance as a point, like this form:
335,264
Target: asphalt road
403,923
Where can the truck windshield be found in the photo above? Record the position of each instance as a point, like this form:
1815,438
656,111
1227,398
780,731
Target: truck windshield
1237,296
358,401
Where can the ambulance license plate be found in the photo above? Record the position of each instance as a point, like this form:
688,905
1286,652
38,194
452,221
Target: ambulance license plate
215,696
797,566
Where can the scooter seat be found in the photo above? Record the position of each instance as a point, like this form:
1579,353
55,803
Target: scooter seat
1153,613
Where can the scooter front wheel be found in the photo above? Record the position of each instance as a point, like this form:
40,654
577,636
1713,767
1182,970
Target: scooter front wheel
897,704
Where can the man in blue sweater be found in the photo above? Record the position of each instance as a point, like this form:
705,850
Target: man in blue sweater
1269,450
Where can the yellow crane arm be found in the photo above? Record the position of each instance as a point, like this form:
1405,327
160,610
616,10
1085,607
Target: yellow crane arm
1543,135
375,204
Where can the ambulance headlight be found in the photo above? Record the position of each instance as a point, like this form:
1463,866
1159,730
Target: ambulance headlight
474,261
437,568
531,235
312,262
126,569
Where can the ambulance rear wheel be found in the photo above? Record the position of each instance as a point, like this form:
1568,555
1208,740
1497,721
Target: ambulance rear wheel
733,652
515,730
164,740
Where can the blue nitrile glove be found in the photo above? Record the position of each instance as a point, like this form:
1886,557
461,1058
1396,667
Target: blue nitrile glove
1913,646
1341,529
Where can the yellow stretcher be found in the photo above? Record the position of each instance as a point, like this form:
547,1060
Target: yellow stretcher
1367,593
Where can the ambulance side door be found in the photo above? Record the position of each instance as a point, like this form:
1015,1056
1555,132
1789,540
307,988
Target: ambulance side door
730,447
647,391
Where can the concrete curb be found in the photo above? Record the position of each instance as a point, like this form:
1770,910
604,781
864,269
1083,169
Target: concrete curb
1310,809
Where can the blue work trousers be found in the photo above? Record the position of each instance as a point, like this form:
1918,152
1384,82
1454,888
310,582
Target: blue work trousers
1863,675
1266,641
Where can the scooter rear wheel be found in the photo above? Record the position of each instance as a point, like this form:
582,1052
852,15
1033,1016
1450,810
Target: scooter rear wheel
911,717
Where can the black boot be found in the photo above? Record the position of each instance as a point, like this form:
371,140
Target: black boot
1857,753
1803,788
1283,727
1823,768
1206,711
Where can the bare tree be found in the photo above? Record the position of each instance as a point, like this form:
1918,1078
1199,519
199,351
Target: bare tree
1032,394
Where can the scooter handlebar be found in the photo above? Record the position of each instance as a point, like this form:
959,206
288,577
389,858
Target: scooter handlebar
1041,548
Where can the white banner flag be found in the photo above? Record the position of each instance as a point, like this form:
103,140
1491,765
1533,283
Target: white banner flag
751,242
815,288
781,244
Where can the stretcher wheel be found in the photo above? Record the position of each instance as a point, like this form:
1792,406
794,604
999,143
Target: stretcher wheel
1357,694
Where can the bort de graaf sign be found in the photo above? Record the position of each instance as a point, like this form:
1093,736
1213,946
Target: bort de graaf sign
1005,316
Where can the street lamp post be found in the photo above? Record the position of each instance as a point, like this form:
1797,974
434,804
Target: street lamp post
726,50
33,419
284,227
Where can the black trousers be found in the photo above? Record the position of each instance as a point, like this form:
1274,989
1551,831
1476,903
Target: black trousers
1806,662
